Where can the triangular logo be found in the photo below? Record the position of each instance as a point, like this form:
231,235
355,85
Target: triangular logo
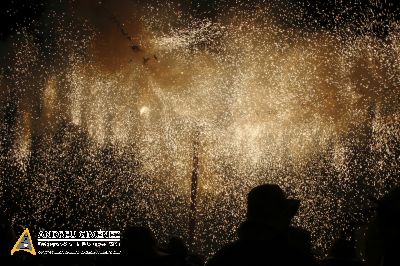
24,243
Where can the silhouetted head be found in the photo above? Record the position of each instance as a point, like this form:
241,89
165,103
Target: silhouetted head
138,241
383,234
177,247
268,203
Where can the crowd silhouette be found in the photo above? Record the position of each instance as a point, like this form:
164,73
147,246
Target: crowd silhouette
265,237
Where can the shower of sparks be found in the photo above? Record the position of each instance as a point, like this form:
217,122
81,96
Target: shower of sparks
105,140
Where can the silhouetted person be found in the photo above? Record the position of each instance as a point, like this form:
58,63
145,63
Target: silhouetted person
179,255
342,253
264,235
139,246
177,251
299,239
383,235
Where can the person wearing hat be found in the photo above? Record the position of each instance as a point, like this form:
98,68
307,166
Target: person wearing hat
263,236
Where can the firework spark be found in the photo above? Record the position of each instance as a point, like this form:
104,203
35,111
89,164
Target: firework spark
106,117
